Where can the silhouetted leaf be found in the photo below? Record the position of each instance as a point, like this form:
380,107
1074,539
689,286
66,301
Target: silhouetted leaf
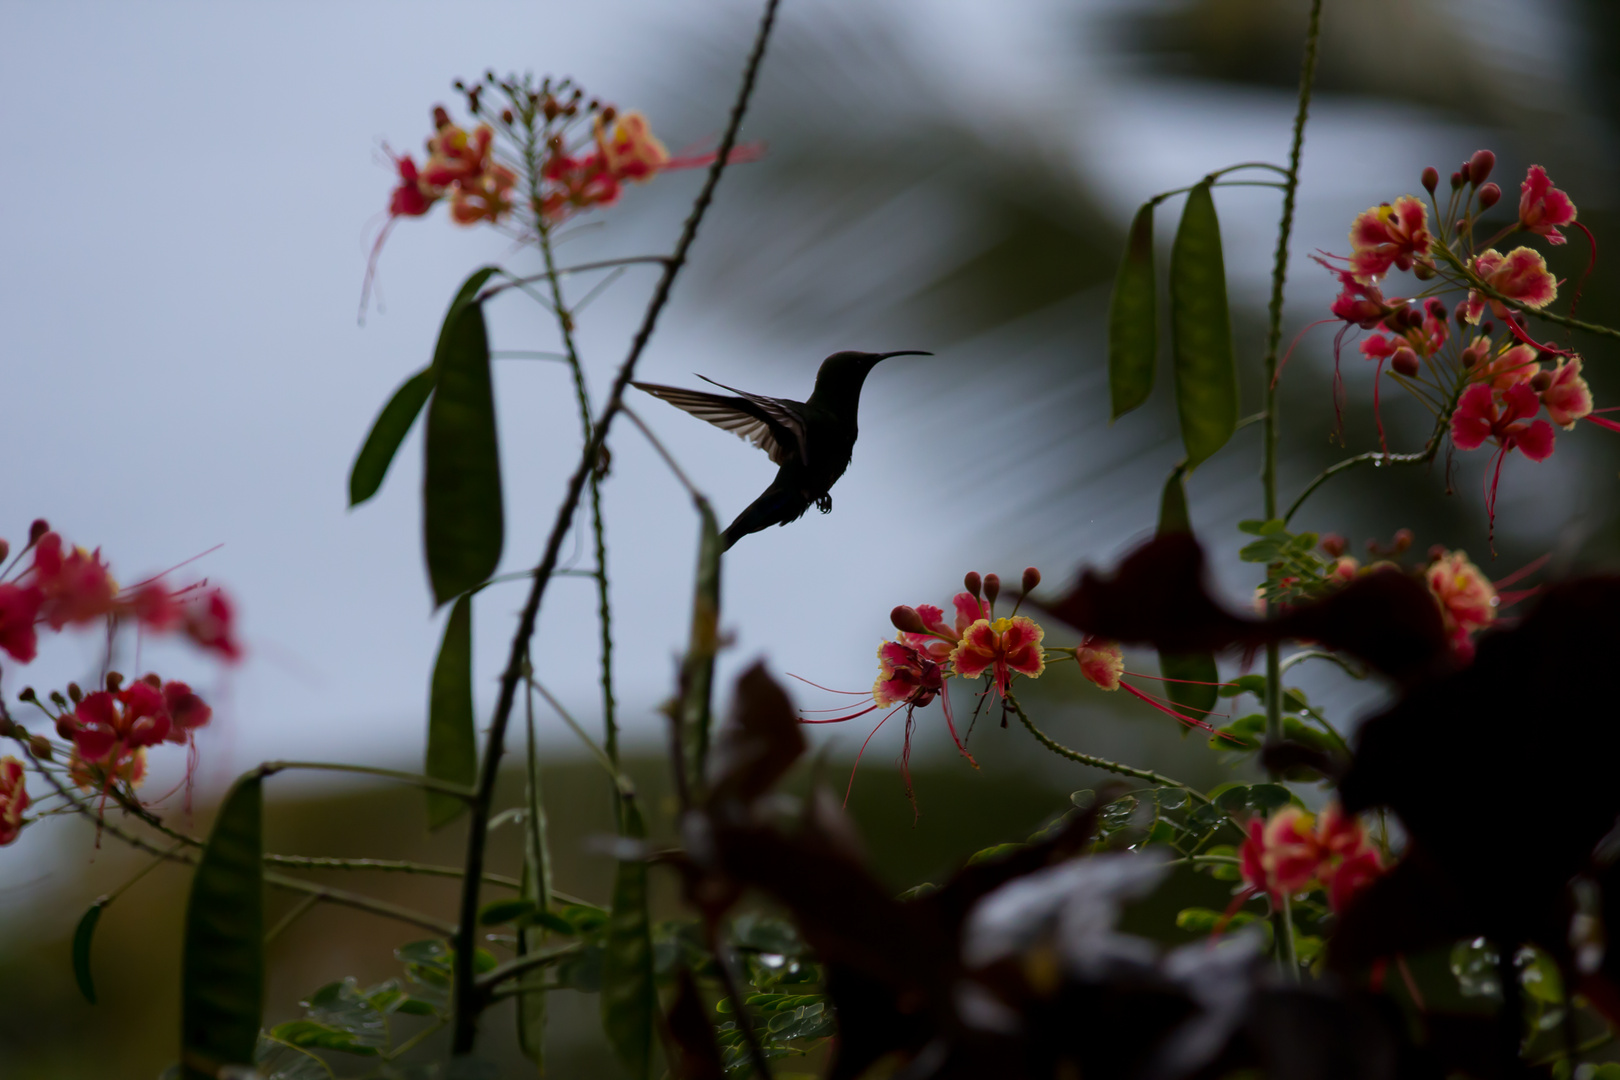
698,1055
1201,331
222,962
1133,320
697,669
629,997
760,741
452,741
389,430
81,951
310,1035
463,525
1190,677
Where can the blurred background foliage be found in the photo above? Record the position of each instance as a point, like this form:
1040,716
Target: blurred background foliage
900,207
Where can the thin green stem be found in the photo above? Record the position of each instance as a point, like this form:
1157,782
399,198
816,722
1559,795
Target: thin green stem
621,782
528,962
604,264
1377,456
414,1041
1272,433
1287,955
1095,762
1479,285
604,606
298,911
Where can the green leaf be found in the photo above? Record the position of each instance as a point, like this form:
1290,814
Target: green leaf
222,958
389,430
1245,684
498,912
1133,321
452,741
629,997
463,523
1268,797
278,1060
342,1006
990,854
1201,331
697,669
81,951
310,1035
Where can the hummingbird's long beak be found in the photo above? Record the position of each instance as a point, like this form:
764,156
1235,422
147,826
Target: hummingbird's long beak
904,352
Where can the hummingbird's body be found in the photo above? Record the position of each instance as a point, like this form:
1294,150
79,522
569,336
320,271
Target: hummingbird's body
812,441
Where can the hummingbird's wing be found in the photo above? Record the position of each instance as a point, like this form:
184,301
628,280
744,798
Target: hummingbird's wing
760,420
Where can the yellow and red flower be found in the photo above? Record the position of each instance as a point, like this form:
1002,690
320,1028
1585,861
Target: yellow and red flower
1466,597
1543,207
1390,235
1004,647
13,798
1566,396
1291,852
1520,275
1103,664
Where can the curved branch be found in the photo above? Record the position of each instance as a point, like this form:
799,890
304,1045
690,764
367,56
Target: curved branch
1095,762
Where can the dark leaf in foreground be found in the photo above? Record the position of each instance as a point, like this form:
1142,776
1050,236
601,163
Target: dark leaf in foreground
760,741
698,1055
1157,596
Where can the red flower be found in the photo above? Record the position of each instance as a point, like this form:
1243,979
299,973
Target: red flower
412,198
1542,207
1520,275
1566,396
77,587
1290,853
186,710
1467,598
211,625
1477,419
1103,664
19,608
13,798
105,727
1388,235
1003,647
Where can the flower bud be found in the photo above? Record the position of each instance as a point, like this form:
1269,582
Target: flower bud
1540,381
1403,541
65,727
40,747
506,116
1474,355
5,549
115,682
441,118
1456,180
609,114
1431,178
1437,552
1461,313
1488,196
550,108
907,621
971,583
153,679
1411,318
992,587
1479,168
75,695
1405,362
58,700
38,529
1423,270
27,694
1032,578
1332,544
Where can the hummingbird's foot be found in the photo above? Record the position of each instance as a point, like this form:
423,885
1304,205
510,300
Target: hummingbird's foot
824,504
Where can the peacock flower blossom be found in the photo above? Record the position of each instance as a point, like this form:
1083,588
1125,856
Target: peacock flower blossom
1508,368
1291,852
1360,303
1281,855
187,712
97,776
1392,234
1004,647
1567,397
1520,275
629,148
76,585
13,798
1543,207
19,608
1477,418
1345,568
105,727
211,624
1467,599
906,676
1101,662
411,197
942,638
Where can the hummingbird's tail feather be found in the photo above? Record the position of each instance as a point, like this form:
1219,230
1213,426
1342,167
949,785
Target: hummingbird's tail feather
777,506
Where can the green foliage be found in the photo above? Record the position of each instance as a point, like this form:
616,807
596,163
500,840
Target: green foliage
452,741
389,430
629,999
1295,569
81,951
462,517
222,963
1201,331
1133,320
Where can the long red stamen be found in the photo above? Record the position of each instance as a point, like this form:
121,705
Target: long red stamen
175,567
1524,335
1591,265
1149,698
1165,678
1523,572
1292,345
830,690
858,757
1604,421
950,722
840,719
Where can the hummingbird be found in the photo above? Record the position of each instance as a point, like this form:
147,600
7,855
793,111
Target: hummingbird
811,440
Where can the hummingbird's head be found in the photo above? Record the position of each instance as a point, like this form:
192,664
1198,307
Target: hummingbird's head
843,373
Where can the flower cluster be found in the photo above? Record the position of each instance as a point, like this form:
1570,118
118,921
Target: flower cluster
1293,852
1487,387
110,729
64,587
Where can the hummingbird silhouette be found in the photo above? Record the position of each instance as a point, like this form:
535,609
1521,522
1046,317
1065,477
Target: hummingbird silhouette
811,440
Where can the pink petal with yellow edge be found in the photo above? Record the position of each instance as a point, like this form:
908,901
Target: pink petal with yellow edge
1101,662
1369,229
976,652
1369,264
1524,277
969,610
1567,397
